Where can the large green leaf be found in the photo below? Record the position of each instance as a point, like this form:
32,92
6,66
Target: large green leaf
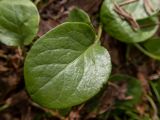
19,20
138,10
121,30
133,89
66,66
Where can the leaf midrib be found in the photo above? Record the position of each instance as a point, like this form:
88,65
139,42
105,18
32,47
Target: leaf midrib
32,94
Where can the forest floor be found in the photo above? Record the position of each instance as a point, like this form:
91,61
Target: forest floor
15,103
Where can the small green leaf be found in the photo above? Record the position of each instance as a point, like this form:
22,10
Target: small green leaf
150,48
66,66
121,29
19,20
78,15
153,46
132,87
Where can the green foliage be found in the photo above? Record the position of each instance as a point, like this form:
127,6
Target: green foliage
155,86
121,29
19,20
122,109
133,89
150,47
133,22
66,66
153,46
78,15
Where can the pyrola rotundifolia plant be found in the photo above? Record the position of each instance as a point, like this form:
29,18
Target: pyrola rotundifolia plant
133,21
67,65
19,20
64,67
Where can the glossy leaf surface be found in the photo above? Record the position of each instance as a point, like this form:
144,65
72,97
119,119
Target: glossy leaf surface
66,66
121,29
19,20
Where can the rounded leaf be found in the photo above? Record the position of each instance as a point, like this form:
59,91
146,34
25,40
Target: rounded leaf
66,66
19,20
120,29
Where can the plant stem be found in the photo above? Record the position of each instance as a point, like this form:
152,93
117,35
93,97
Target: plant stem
155,91
127,2
128,51
155,115
20,52
146,52
36,2
5,106
99,33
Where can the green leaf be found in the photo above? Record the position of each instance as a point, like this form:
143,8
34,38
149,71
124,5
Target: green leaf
78,15
19,20
150,48
153,46
133,89
121,29
66,66
156,89
138,10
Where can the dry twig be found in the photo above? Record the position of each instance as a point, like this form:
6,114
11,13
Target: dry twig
148,6
125,15
126,2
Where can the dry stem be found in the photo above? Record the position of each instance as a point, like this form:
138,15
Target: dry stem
125,15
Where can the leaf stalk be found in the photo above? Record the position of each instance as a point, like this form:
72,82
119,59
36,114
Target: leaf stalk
146,52
99,33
